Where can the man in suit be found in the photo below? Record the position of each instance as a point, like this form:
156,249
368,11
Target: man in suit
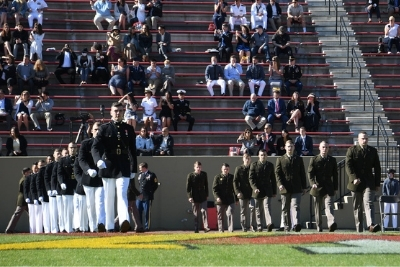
53,212
274,12
163,40
137,76
114,151
323,177
292,74
66,64
224,38
266,140
363,183
214,75
263,182
277,110
292,184
154,8
255,75
164,144
182,111
6,108
197,193
303,144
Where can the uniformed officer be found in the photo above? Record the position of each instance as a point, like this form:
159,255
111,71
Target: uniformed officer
360,160
29,198
114,151
238,14
37,203
43,197
323,177
52,194
56,190
291,181
182,111
292,74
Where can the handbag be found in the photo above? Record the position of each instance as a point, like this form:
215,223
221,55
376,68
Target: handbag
211,27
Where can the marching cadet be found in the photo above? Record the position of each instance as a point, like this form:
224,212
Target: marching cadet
53,212
43,197
30,199
182,111
292,74
37,204
56,190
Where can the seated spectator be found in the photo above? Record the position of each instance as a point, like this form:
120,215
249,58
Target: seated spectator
23,105
138,12
121,11
36,38
259,39
238,14
6,108
312,115
100,72
85,65
163,40
8,73
35,9
41,76
145,40
43,106
255,75
232,74
154,14
66,64
393,7
243,44
248,141
220,8
149,105
18,10
391,35
259,15
137,76
292,74
20,38
254,111
277,110
214,75
224,38
274,14
373,6
102,8
182,111
303,144
275,74
16,144
295,15
131,107
280,143
25,74
168,76
130,44
120,77
144,143
166,105
266,140
281,42
164,144
114,44
295,109
6,37
153,76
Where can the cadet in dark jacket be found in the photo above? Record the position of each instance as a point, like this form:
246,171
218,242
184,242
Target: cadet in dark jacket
197,193
263,182
360,160
43,197
56,191
291,181
224,197
323,177
37,204
182,111
53,211
29,199
292,74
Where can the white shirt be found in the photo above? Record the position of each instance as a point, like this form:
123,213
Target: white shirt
34,6
67,60
149,105
238,11
392,31
255,9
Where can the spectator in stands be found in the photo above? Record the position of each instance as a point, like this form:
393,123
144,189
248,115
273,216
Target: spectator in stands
391,35
18,10
131,107
154,14
255,75
35,9
100,70
295,109
312,115
6,37
23,105
41,76
274,14
85,65
277,109
259,15
259,39
16,144
66,64
6,108
166,105
182,111
275,74
292,74
254,111
243,44
120,77
281,42
36,38
168,76
303,144
20,38
280,143
266,140
149,105
232,74
164,144
219,16
25,74
214,74
295,15
121,11
373,6
248,141
114,40
153,75
43,106
137,76
393,7
8,73
102,8
144,143
238,14
224,38
163,40
138,12
130,44
145,42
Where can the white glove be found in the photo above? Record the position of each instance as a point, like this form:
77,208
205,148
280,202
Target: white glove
133,175
41,199
49,193
27,200
54,192
35,202
101,164
92,173
63,186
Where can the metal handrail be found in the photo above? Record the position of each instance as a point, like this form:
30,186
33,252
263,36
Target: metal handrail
343,28
382,131
371,99
335,5
354,59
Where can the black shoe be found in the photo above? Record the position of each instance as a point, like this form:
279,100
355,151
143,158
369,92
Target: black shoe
110,231
280,229
270,227
206,230
140,230
125,226
297,228
244,230
36,129
223,94
320,230
333,227
101,228
375,228
259,229
196,230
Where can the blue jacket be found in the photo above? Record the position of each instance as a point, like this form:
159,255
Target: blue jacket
390,187
253,109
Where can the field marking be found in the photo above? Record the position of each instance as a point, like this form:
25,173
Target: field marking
363,246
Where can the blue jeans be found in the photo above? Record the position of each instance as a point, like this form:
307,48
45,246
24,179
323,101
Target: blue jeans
144,206
265,50
84,74
218,21
297,84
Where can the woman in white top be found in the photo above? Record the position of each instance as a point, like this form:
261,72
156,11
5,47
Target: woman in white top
121,11
23,105
391,35
36,37
149,105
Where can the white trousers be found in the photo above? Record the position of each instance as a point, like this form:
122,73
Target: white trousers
233,21
261,85
95,206
32,16
32,219
53,212
219,82
121,185
68,202
60,209
46,217
390,207
38,218
256,20
80,213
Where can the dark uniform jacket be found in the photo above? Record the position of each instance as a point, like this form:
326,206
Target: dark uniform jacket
292,72
65,174
21,199
241,183
291,174
55,185
359,165
148,184
323,173
85,162
225,39
197,186
255,72
118,141
138,74
41,184
27,188
214,72
47,175
33,188
223,189
181,107
262,177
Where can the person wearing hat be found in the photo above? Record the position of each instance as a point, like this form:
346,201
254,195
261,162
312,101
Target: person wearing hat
259,39
20,37
214,75
258,15
281,42
114,44
66,64
238,14
255,76
137,76
243,44
390,187
149,105
292,74
295,15
102,8
85,65
274,12
130,44
312,115
182,111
